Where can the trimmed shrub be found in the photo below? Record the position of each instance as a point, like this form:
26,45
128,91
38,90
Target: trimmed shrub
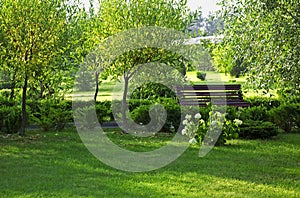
104,111
135,103
286,116
257,130
141,115
51,114
232,112
10,118
267,102
254,113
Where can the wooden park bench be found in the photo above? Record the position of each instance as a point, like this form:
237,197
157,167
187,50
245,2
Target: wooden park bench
230,95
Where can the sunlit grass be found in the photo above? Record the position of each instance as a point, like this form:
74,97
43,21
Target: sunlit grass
215,77
58,165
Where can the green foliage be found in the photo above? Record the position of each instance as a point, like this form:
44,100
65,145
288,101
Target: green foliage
286,116
197,129
222,58
32,30
152,91
255,113
267,102
87,115
135,103
104,111
141,114
201,75
10,116
116,16
51,114
264,46
33,47
251,129
119,15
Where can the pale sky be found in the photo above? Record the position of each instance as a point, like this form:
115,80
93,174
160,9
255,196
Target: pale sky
206,5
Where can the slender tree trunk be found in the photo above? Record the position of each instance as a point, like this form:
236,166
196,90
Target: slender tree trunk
97,85
12,91
124,104
24,112
13,86
42,90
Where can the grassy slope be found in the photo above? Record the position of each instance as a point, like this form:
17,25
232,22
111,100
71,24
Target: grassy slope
58,165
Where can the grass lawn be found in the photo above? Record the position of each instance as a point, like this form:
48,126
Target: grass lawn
58,165
215,77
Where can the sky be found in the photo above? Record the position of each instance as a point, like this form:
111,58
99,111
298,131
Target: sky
206,5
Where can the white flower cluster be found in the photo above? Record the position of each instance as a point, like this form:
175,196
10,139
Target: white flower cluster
190,127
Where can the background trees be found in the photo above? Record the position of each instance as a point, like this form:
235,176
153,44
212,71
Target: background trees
33,42
264,36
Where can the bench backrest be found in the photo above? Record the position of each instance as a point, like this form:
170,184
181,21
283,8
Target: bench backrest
201,95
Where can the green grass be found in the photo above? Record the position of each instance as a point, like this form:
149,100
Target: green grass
215,77
58,165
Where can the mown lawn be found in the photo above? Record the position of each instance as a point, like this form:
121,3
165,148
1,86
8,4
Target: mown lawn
58,165
215,77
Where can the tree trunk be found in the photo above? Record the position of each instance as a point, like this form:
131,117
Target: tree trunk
124,104
24,112
12,91
13,86
42,89
97,85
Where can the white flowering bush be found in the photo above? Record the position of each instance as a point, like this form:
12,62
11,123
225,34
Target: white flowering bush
192,126
196,128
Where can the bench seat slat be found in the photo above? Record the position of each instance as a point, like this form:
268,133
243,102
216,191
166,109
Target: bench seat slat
225,94
229,95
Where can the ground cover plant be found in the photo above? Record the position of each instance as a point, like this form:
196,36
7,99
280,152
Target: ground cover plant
49,164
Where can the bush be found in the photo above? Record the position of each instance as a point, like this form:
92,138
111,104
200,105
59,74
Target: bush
267,102
286,116
152,91
232,112
86,116
197,128
104,111
135,103
141,115
10,118
201,75
51,114
257,130
254,113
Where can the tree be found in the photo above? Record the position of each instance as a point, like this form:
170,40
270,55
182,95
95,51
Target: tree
264,36
222,61
31,34
117,16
